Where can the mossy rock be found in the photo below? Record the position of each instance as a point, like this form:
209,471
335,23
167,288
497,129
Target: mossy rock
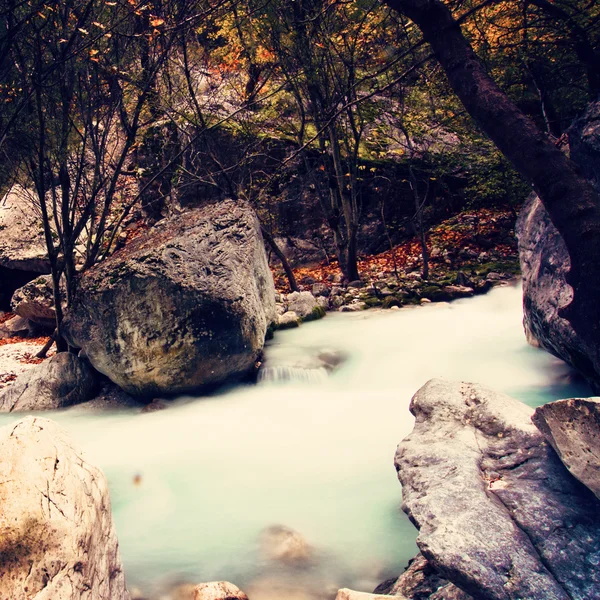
391,301
374,302
318,312
435,294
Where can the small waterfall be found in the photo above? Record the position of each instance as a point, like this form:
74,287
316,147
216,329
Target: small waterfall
295,374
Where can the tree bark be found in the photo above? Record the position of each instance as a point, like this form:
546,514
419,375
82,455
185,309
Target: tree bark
284,261
571,201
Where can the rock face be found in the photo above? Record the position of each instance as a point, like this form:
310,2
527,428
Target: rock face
60,381
58,538
584,141
544,264
22,245
499,515
572,427
187,305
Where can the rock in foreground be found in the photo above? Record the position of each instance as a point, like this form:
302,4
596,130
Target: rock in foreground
572,427
60,381
218,590
58,540
185,306
499,515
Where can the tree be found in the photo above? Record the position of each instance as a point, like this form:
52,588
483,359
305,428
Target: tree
571,201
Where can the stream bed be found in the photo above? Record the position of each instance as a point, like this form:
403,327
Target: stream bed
193,486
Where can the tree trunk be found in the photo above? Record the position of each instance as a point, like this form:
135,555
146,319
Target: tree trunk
284,261
571,201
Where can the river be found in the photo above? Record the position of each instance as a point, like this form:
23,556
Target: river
194,485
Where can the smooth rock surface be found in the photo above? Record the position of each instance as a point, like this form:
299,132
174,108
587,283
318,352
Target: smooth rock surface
183,307
288,320
58,540
58,382
499,515
572,427
218,590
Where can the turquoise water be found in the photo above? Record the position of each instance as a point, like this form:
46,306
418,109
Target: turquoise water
194,485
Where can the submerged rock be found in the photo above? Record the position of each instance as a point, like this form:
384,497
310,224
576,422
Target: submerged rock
57,535
572,427
283,544
185,306
60,381
499,516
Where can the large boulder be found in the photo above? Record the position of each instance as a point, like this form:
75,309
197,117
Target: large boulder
499,516
185,306
60,381
218,590
544,265
572,427
57,537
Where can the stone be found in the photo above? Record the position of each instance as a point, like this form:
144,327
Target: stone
346,594
544,264
218,590
323,302
182,308
15,327
499,516
302,303
320,289
22,243
56,527
58,382
337,301
421,581
357,284
458,291
283,544
288,320
354,306
572,428
35,301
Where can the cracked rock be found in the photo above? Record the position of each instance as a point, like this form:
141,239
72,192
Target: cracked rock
499,515
57,537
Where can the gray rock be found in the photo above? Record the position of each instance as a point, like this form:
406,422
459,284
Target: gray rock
61,381
35,301
421,581
458,291
544,265
218,590
56,527
323,302
499,515
320,289
288,320
183,307
15,326
22,245
572,427
302,303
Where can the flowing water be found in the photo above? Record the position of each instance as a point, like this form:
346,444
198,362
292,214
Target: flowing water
193,486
